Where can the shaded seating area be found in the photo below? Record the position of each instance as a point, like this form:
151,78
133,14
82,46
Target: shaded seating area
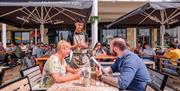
26,74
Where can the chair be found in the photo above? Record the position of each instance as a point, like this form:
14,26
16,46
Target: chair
170,69
9,74
21,84
2,56
28,62
158,81
34,76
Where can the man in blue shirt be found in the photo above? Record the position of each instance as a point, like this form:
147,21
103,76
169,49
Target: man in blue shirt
133,72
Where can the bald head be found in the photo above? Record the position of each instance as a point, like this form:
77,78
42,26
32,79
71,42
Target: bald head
118,43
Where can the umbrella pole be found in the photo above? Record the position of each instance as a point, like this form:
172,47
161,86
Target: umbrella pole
178,29
162,31
4,35
42,32
94,31
35,35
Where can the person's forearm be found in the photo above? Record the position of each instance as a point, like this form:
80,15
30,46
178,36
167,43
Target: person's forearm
69,69
62,79
110,80
73,46
94,52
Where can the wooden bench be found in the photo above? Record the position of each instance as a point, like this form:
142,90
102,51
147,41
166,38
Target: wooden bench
151,64
34,76
167,68
173,71
158,81
21,84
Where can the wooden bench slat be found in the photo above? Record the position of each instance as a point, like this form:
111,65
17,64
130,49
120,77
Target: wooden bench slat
29,71
37,72
33,80
170,65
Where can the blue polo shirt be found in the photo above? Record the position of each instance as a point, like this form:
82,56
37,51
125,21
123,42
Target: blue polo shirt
133,72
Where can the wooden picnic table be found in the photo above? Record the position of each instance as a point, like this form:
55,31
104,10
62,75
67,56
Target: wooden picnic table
158,56
151,63
3,67
41,60
99,57
77,85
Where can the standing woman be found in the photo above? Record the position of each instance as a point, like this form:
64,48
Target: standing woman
98,49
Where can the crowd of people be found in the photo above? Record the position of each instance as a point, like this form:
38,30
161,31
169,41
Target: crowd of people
15,51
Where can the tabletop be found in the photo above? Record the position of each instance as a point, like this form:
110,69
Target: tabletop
43,58
3,67
77,85
105,57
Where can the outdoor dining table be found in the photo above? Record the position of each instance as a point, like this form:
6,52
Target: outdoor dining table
41,61
3,67
77,85
151,63
99,57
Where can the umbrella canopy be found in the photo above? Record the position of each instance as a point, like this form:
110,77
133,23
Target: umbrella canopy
151,14
156,14
49,13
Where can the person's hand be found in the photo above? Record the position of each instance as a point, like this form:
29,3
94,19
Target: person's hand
96,48
98,71
76,76
76,45
82,45
144,53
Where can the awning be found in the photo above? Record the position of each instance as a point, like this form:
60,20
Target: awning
151,14
50,13
156,14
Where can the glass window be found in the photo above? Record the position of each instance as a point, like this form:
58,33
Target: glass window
25,37
63,35
17,37
143,35
171,35
21,37
111,33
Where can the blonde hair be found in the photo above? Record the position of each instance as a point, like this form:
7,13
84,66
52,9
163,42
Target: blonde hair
63,43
